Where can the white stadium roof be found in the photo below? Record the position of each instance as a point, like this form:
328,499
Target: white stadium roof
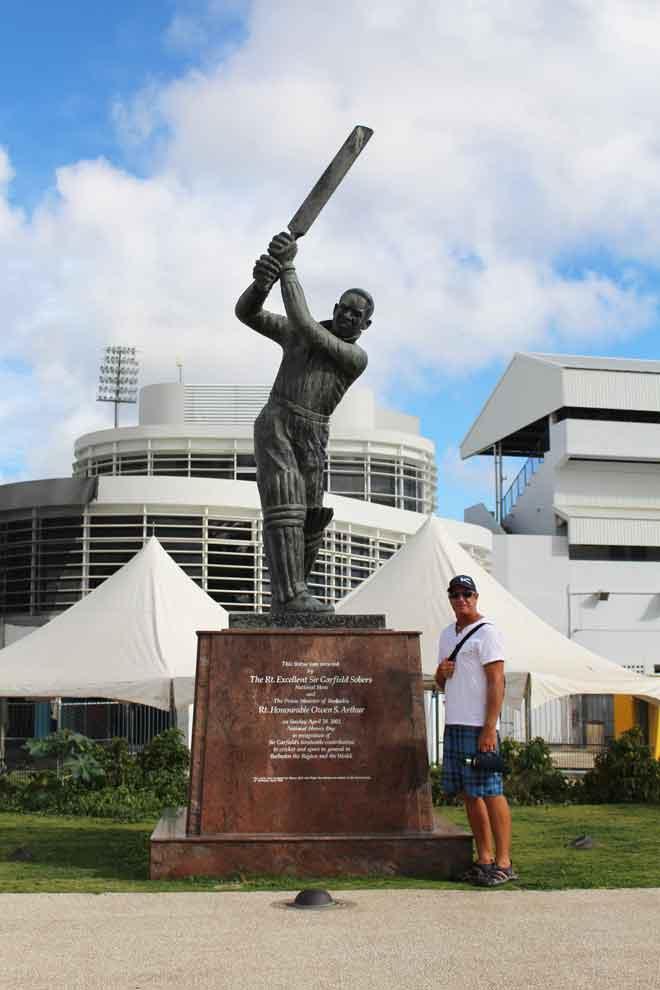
535,385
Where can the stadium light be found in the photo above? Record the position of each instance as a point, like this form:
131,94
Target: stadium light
118,376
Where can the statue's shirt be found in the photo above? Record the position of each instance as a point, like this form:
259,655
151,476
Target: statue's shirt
317,367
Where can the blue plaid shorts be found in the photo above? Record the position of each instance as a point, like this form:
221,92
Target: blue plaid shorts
461,741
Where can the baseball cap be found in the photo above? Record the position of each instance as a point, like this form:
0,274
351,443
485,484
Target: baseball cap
462,581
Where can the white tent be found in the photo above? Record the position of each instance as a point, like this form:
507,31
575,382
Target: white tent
411,589
132,639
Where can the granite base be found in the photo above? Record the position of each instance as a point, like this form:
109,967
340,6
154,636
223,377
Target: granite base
444,854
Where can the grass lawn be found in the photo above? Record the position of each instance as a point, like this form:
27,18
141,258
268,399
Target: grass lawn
93,856
626,849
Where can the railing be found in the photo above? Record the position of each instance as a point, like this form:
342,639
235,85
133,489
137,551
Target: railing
100,720
105,720
519,484
566,724
581,758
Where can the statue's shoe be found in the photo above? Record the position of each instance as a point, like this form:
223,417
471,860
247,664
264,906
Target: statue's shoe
304,602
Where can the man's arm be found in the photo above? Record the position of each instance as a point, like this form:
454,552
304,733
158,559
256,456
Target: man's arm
444,672
494,672
249,308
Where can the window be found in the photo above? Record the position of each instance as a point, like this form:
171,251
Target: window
128,464
609,415
246,467
211,466
171,464
168,527
578,551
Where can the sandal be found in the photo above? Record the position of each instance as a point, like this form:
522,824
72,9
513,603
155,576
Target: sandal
478,873
498,875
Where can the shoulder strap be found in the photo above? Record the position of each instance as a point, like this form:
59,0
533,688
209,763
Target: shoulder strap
454,652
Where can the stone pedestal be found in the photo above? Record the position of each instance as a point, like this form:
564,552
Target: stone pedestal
308,758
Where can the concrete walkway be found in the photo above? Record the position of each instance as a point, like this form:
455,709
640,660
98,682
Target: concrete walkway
501,939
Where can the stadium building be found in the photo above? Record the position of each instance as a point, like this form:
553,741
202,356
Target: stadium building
576,530
186,474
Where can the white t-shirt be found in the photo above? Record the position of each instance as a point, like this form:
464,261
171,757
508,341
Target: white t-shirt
465,690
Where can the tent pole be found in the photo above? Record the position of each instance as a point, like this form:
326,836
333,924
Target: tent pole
498,503
173,716
528,709
4,720
436,700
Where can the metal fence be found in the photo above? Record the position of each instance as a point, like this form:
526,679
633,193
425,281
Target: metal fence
96,718
576,728
520,483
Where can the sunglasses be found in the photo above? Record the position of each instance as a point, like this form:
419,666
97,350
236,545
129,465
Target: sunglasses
461,594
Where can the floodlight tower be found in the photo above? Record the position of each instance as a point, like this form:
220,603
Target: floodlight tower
118,376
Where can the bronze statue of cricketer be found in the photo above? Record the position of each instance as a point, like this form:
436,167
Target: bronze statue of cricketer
319,363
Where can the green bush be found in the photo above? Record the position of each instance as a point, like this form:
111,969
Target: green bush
101,781
39,792
119,803
438,796
164,767
435,777
120,766
625,772
531,776
77,755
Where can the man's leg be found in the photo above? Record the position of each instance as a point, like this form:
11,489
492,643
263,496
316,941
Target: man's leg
479,820
499,815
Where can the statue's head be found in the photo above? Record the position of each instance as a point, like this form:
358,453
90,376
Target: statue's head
352,314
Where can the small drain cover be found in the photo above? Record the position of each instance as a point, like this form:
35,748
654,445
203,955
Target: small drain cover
313,898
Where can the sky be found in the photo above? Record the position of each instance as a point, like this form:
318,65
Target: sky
508,200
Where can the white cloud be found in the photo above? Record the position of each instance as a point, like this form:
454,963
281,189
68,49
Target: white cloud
474,475
509,138
186,33
6,170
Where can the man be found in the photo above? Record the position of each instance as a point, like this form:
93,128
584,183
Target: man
319,363
474,691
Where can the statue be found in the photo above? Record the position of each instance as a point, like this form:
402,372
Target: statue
320,362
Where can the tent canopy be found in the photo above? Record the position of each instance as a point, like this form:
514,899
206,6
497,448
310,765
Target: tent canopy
131,639
411,589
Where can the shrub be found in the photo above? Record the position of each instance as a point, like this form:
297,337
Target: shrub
39,792
531,776
103,781
164,765
435,776
626,771
78,755
119,803
438,796
120,766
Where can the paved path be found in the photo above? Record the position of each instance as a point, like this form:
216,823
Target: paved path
501,939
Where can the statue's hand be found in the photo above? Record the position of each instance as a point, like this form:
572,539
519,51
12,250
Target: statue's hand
266,272
283,247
